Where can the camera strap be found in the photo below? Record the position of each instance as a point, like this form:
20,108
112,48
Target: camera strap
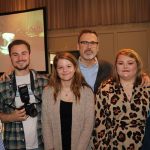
33,87
32,82
13,84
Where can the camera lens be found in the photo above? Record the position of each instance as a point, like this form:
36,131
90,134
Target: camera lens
31,110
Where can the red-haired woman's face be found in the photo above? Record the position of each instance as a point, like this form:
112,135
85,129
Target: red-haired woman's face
126,67
65,69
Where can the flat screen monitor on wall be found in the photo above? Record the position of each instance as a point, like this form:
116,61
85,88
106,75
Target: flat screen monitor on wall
29,25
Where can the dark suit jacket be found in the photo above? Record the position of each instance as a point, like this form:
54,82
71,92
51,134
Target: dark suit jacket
104,72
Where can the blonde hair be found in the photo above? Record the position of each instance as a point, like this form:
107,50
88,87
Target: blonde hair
132,54
77,82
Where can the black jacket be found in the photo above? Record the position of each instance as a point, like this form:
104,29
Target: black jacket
104,72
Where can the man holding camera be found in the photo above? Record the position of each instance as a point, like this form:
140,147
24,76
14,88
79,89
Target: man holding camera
20,101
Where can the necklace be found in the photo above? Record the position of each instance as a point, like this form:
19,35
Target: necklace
66,94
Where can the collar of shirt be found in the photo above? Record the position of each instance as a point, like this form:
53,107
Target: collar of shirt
85,66
89,73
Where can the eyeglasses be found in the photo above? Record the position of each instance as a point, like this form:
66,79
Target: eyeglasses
92,43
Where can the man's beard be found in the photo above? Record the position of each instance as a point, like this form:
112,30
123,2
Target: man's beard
89,55
23,68
20,68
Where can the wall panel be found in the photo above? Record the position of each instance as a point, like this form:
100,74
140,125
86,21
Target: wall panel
111,39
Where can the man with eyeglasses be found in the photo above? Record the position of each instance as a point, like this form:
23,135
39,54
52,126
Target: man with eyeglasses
95,71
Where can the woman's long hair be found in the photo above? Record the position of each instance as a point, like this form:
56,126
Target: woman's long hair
78,80
132,54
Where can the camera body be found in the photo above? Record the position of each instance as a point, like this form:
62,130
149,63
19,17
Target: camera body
25,98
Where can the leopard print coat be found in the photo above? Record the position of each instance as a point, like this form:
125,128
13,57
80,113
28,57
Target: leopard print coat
120,123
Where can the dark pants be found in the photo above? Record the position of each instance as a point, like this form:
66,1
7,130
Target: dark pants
146,140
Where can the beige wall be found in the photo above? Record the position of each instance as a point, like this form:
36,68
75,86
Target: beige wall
112,38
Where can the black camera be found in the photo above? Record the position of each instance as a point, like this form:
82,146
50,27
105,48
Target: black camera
25,98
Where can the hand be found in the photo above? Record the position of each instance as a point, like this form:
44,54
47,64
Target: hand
145,80
6,75
19,115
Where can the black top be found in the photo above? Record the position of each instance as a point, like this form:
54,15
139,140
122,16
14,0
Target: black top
66,124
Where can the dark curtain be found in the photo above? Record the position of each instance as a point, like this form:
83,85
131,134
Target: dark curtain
64,14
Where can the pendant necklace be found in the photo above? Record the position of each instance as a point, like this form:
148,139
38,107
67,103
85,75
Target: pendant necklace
66,94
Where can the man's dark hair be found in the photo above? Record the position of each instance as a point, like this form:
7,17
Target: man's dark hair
18,42
85,32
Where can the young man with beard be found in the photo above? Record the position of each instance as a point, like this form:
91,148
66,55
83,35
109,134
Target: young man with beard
20,101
